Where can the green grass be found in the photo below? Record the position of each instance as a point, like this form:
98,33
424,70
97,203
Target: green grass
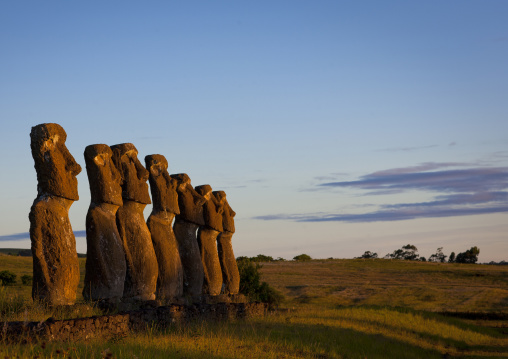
337,309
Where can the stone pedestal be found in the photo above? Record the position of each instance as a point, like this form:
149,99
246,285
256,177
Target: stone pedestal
230,274
170,279
207,241
193,273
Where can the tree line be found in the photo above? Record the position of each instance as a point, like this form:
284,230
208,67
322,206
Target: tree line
409,252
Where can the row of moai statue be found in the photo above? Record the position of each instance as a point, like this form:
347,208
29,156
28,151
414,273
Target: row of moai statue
128,259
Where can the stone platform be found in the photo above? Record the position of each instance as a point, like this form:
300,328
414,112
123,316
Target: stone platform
120,325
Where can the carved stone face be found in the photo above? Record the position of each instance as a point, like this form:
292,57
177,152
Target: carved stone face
162,186
189,201
134,175
56,168
103,177
228,222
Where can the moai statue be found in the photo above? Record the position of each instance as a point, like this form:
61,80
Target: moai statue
142,270
160,224
207,240
55,260
227,259
105,258
186,224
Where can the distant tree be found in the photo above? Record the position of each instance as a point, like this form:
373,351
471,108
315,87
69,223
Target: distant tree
407,252
438,256
469,256
261,258
7,278
280,259
422,259
452,258
26,279
368,255
302,257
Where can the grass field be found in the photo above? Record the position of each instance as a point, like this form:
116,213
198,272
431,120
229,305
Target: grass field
333,309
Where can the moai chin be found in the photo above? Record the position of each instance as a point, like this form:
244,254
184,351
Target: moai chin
142,270
230,273
160,224
186,223
55,260
105,258
207,240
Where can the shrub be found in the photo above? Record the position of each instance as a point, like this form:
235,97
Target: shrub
27,279
251,285
302,257
7,278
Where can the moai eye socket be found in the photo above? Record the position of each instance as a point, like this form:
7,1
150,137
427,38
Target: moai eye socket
50,144
101,160
156,169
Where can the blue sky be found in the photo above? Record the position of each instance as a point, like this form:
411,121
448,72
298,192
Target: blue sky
335,127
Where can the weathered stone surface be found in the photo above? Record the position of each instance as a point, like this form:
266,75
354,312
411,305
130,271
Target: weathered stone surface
186,224
207,240
55,261
160,221
105,260
193,272
230,274
190,202
228,221
142,269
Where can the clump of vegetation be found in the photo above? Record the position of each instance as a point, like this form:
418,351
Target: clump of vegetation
469,256
438,256
251,285
408,252
302,258
7,278
27,279
368,255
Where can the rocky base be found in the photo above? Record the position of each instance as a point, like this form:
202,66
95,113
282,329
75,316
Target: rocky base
120,325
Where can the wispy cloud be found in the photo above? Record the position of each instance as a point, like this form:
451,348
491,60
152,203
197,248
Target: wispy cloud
26,235
460,191
405,149
423,178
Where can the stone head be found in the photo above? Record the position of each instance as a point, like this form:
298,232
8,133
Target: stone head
103,177
183,180
228,222
134,175
162,186
56,168
204,190
220,196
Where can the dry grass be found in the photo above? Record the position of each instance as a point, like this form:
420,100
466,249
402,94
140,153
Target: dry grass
344,309
417,285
